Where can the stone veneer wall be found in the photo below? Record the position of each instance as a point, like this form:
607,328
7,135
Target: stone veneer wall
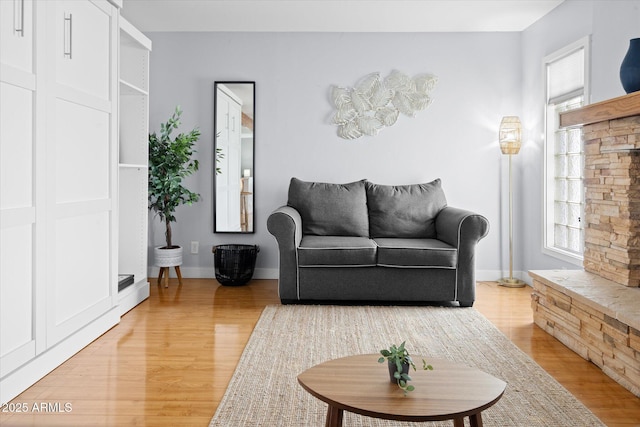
574,307
612,196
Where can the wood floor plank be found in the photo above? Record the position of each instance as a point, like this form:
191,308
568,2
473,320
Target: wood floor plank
169,361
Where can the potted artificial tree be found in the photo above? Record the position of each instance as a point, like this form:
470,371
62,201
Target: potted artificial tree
169,162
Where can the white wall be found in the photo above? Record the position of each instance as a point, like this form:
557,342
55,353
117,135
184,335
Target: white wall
610,24
483,76
614,24
454,139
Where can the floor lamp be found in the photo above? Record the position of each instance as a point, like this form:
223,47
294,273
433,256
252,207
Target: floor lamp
510,141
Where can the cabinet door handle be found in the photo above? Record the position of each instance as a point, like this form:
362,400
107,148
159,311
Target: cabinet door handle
233,121
68,35
18,17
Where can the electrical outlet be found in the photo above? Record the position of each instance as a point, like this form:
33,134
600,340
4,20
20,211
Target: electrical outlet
194,247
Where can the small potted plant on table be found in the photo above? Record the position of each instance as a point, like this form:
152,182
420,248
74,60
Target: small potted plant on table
399,361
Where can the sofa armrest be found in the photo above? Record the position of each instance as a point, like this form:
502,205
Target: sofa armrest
458,227
285,223
462,229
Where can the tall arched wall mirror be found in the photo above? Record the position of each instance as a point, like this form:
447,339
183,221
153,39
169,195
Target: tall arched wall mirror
234,171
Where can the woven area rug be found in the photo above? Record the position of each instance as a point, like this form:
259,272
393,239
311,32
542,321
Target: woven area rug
289,339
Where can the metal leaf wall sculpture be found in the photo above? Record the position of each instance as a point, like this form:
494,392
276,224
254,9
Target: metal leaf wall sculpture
375,103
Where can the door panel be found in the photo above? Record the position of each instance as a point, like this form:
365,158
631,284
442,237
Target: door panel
16,147
82,47
16,34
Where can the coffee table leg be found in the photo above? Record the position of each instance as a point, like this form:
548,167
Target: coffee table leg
476,420
334,417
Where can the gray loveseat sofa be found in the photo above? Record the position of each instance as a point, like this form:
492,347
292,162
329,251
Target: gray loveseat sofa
375,243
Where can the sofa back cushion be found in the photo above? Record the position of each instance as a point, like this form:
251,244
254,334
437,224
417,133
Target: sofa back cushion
330,209
407,211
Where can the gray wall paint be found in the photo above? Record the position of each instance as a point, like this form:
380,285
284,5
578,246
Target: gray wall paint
610,24
482,77
454,139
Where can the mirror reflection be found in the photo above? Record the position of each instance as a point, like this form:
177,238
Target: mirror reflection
234,157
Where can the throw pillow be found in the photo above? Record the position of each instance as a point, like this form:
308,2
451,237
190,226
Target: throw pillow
407,211
330,209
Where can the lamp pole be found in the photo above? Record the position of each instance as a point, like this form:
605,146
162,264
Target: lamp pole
510,281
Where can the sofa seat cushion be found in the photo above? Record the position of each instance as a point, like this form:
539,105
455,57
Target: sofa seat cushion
330,209
417,253
336,251
406,211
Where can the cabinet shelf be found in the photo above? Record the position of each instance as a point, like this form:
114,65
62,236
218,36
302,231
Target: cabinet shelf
133,163
130,36
132,166
127,89
134,58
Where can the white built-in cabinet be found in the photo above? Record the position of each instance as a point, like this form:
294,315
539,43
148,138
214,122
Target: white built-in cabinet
80,158
22,236
59,178
229,139
133,163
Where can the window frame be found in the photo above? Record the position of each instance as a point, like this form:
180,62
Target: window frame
548,244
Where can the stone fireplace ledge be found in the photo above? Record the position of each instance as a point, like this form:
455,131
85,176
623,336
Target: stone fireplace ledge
617,301
595,317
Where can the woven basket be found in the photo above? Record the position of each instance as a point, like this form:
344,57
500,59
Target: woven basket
234,264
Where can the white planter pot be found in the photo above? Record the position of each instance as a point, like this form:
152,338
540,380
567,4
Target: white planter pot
167,257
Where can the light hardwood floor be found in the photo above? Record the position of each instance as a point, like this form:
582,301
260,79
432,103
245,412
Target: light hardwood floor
170,359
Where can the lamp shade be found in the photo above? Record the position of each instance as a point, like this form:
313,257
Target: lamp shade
510,135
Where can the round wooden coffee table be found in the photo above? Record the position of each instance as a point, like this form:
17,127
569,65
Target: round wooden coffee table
361,385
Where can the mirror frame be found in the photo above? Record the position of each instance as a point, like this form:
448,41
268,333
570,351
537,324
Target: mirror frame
215,147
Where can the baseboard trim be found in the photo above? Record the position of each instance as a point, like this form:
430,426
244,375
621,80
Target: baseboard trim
495,275
272,273
133,295
31,372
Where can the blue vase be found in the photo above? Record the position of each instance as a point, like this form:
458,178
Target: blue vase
630,68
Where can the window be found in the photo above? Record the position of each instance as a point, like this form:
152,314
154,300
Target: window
566,81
